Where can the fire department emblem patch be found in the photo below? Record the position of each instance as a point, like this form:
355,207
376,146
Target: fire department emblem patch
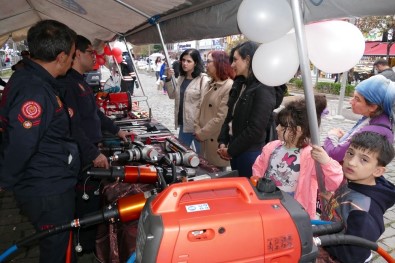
27,124
31,110
71,112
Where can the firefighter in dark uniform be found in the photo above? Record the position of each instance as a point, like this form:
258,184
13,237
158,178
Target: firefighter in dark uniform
39,161
87,122
129,75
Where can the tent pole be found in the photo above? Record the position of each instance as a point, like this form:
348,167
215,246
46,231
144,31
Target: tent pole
307,82
149,54
138,11
135,69
343,84
173,80
305,70
152,20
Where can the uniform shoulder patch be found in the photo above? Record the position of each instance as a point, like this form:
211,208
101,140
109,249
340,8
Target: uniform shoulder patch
27,124
31,109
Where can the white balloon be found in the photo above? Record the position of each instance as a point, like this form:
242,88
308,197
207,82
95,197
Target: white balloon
334,46
264,20
122,46
276,62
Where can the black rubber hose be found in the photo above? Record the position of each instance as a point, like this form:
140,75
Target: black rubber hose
173,167
162,181
335,227
106,214
340,239
114,172
165,160
39,235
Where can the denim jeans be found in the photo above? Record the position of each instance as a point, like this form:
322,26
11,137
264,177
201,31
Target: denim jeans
243,163
186,138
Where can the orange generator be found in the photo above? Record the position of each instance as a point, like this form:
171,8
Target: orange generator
224,220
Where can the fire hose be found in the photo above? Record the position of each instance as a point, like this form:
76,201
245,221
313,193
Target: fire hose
125,209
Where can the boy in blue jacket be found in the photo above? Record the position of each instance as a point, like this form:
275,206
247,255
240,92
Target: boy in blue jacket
362,201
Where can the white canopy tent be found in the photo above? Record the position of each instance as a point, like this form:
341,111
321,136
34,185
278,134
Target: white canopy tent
169,21
180,20
155,55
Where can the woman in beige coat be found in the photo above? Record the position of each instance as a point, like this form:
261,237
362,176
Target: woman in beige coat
213,107
187,94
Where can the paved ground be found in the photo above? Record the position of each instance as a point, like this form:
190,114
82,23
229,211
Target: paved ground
14,227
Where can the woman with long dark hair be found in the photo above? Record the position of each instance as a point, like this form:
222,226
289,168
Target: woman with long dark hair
187,94
251,105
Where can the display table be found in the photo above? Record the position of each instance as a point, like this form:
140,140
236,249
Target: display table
150,143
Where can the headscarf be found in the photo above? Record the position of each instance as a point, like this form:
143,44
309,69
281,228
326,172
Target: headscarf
380,91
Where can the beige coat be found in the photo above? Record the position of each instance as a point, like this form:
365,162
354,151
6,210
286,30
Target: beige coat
192,97
213,110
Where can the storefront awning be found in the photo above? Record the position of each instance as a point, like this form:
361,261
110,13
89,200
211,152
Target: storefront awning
377,48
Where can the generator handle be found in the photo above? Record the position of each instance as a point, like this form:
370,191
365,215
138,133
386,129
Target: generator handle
169,199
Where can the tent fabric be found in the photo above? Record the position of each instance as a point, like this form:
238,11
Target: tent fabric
376,48
180,20
17,35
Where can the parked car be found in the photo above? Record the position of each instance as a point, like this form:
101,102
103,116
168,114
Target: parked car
142,64
93,79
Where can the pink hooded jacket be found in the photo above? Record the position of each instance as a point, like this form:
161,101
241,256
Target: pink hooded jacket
306,190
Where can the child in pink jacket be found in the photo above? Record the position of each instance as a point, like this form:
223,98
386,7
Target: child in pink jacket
290,161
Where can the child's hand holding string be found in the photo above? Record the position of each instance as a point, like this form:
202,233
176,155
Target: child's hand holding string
319,154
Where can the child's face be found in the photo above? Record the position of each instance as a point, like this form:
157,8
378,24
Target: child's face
286,135
361,166
281,132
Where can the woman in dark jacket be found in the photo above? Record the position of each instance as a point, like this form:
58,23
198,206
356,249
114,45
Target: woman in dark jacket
251,106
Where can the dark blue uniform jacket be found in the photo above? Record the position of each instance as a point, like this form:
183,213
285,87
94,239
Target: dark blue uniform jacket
37,155
87,121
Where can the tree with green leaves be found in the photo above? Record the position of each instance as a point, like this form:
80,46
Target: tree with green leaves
384,24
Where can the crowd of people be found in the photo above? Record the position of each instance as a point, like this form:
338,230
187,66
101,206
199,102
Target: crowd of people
233,118
51,128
